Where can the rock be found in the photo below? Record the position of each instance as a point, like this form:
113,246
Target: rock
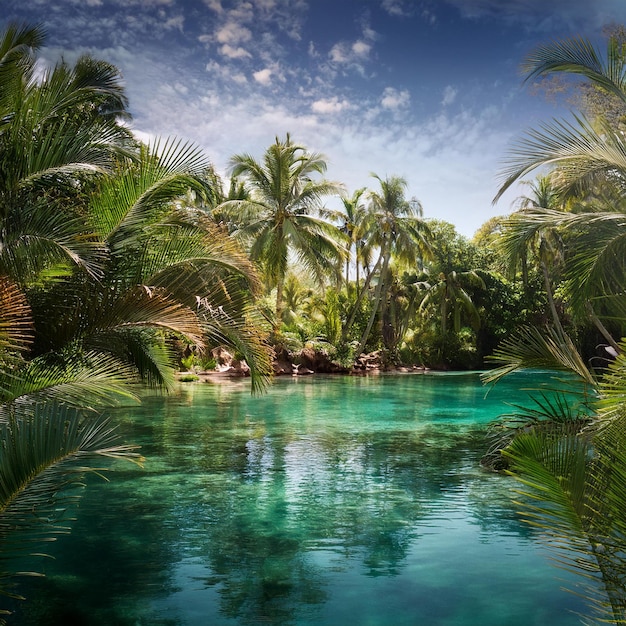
223,359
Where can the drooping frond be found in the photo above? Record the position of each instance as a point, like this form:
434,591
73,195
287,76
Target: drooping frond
92,380
243,336
578,56
42,454
541,348
16,326
578,149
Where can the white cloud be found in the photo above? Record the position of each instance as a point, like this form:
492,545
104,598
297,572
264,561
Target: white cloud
449,95
361,49
264,76
234,53
395,99
394,7
355,53
239,78
339,53
176,23
215,5
233,33
330,105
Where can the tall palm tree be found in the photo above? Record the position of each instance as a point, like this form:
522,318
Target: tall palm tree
284,214
396,229
522,236
353,222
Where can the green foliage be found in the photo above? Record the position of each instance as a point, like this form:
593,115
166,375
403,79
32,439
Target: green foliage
103,264
332,319
573,470
188,362
283,214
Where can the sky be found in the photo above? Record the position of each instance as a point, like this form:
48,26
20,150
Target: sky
429,90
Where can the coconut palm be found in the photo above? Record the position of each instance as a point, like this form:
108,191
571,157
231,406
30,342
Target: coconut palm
451,294
353,222
396,229
523,236
284,215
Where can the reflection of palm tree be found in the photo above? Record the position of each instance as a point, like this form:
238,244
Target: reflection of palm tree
283,214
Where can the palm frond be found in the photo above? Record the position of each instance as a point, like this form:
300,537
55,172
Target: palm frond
37,238
531,347
574,493
143,191
91,380
241,333
16,327
43,455
577,148
578,56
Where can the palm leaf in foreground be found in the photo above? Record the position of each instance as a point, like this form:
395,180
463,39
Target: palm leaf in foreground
41,454
568,497
92,380
546,348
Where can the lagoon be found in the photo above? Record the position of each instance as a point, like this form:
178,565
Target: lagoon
326,501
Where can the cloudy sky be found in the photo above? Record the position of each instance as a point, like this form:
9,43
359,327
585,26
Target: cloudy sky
425,89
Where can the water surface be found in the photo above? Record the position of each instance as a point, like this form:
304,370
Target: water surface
327,501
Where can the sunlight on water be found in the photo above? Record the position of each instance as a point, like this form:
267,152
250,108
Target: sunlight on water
327,501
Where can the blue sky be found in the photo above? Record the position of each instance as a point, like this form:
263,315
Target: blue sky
425,89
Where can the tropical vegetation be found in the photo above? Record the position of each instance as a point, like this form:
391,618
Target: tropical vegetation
121,263
570,458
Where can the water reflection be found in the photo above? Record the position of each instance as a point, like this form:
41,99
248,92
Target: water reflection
324,502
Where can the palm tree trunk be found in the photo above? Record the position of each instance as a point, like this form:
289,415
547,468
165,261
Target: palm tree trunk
279,303
355,308
602,328
548,286
377,301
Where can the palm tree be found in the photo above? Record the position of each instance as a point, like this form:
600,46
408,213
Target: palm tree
450,293
284,215
352,226
169,271
522,235
586,156
396,229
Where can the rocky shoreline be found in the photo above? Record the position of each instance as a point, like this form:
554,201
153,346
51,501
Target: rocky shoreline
305,362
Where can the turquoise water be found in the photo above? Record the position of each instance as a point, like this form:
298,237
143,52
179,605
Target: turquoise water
327,501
